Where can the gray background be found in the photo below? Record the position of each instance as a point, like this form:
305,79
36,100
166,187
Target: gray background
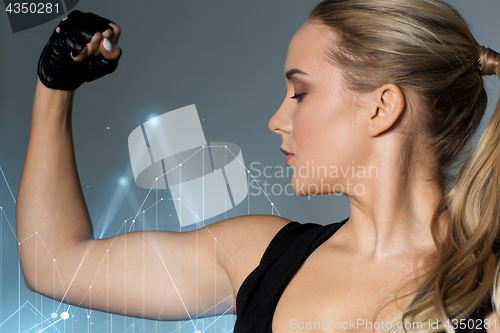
226,57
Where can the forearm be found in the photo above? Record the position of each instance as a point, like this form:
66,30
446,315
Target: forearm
50,203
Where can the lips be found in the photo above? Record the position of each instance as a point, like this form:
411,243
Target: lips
288,155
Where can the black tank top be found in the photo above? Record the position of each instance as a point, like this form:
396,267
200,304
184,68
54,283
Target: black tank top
293,244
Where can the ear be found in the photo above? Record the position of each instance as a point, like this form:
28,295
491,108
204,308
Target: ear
389,103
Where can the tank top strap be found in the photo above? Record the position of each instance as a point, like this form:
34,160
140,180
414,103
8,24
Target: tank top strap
259,294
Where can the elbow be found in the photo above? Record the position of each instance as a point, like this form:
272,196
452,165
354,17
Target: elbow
35,276
29,285
29,275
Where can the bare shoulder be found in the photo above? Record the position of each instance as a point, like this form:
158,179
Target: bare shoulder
247,236
243,241
249,230
493,323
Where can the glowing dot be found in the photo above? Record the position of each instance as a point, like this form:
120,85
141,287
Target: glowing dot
54,260
156,178
64,315
197,331
203,146
203,119
143,211
152,120
123,181
107,127
170,214
88,316
248,171
54,315
107,250
225,146
196,215
133,220
88,186
161,199
180,164
20,243
179,199
272,203
90,287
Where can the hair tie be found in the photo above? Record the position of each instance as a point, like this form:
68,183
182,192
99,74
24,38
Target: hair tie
488,61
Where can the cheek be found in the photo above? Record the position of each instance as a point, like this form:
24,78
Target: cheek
324,131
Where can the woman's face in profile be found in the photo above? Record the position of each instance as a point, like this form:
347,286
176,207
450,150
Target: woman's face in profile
321,123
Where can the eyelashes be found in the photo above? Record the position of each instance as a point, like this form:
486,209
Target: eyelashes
298,97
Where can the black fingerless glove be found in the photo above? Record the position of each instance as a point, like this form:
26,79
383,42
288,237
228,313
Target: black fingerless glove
56,68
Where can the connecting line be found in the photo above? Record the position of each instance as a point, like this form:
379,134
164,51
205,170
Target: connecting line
248,171
43,243
78,306
133,219
149,192
66,292
153,205
95,276
263,192
51,325
33,234
177,291
55,263
165,302
146,198
213,306
6,182
196,152
13,232
219,317
199,220
217,241
201,314
29,329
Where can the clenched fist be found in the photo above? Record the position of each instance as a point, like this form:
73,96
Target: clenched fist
81,49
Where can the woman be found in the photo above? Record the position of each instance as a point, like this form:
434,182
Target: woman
388,85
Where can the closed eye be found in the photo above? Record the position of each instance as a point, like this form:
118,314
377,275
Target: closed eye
298,97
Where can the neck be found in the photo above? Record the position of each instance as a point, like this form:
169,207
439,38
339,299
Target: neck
392,218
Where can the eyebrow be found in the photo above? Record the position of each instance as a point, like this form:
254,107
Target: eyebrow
292,72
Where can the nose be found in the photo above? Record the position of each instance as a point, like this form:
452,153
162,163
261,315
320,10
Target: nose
281,122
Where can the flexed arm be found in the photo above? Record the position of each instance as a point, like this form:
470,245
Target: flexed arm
152,275
156,275
50,199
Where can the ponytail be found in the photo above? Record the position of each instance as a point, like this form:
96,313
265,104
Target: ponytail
474,202
464,278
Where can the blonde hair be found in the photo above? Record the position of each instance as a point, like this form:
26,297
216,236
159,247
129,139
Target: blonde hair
426,49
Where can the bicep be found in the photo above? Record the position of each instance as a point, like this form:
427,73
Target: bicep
155,275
